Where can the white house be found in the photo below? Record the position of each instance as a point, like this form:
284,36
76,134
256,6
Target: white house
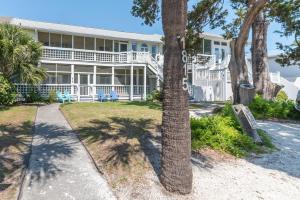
85,60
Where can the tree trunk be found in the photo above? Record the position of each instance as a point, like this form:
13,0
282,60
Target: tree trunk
237,65
176,170
260,66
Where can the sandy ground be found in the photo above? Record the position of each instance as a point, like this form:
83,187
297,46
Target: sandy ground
272,176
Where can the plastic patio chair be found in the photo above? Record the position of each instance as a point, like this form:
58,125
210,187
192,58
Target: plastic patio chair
114,96
67,96
101,96
60,97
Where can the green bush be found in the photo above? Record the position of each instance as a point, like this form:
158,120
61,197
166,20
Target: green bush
33,97
281,96
264,109
155,95
222,132
52,97
8,92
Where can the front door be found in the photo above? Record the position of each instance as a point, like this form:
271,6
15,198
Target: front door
84,84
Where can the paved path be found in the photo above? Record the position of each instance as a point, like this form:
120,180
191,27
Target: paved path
60,167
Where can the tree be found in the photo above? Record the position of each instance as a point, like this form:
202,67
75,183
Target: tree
260,66
176,171
19,56
287,13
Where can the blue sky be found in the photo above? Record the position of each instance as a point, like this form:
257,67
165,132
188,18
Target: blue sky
108,14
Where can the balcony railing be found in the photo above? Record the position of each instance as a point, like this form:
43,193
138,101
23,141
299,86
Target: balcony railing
96,56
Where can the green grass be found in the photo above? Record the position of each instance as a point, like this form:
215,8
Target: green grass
16,124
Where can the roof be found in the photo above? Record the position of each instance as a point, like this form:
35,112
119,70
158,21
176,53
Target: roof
79,30
91,32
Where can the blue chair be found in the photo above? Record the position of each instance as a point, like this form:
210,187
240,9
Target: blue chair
101,96
114,96
67,96
60,97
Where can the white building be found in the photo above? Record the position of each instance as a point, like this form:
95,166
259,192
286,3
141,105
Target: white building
85,60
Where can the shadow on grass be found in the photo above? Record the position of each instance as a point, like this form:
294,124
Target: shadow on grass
124,139
15,142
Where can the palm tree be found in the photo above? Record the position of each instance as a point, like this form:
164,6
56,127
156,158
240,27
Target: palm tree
19,56
176,169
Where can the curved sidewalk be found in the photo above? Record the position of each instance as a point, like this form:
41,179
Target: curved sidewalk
59,166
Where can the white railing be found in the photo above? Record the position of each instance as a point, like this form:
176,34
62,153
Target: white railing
96,56
77,91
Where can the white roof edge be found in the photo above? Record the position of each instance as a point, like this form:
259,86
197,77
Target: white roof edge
93,32
80,30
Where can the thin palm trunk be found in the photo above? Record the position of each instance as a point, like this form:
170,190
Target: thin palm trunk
176,170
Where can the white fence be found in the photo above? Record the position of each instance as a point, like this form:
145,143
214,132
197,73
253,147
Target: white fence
209,85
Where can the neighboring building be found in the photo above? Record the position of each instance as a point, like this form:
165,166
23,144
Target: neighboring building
85,60
289,76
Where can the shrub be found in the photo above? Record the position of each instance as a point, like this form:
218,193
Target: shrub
8,92
281,96
218,132
52,97
155,95
264,109
224,133
33,97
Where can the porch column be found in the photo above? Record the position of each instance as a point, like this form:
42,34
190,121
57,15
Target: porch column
72,79
113,78
145,82
131,82
94,80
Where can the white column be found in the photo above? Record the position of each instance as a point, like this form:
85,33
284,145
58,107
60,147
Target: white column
36,36
113,78
72,79
131,82
145,82
94,80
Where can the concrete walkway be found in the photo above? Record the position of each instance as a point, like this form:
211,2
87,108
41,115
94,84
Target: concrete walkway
60,168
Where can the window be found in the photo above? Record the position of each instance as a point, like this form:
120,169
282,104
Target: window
122,77
116,47
134,46
55,40
83,68
154,51
89,43
207,47
104,70
123,47
78,42
99,44
51,78
224,44
43,38
63,68
144,47
63,78
216,43
103,79
66,41
108,45
49,67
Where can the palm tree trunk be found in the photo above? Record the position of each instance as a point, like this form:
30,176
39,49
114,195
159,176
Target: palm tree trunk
176,170
260,66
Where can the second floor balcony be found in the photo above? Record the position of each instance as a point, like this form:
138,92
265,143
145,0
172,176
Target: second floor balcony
67,54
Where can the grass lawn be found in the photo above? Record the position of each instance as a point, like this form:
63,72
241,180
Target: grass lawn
118,135
15,138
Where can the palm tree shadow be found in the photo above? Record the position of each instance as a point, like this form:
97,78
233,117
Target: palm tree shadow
123,133
51,145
